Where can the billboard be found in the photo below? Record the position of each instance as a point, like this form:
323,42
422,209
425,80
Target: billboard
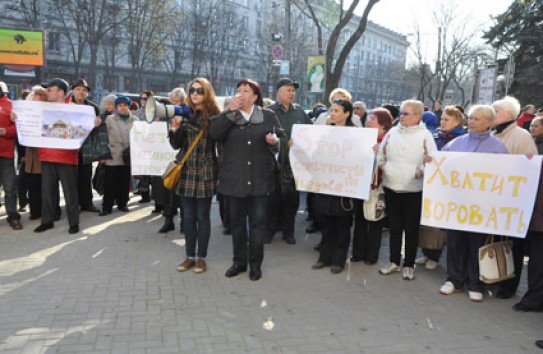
315,73
22,46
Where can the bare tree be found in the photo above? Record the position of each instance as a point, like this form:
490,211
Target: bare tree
337,51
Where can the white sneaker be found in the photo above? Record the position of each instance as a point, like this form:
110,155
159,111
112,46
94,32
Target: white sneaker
431,265
475,296
408,273
422,261
447,288
389,269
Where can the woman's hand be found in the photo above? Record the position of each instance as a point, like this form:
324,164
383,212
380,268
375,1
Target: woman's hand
175,122
290,143
375,149
236,103
271,139
13,116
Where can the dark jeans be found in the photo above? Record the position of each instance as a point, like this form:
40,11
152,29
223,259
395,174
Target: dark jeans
403,210
283,208
84,185
8,180
116,187
252,211
463,259
534,296
336,235
51,174
197,225
434,255
366,235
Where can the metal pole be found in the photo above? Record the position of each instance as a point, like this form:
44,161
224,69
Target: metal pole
286,55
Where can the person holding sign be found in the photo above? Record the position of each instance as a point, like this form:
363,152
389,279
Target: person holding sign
463,246
451,127
401,158
519,142
250,137
199,174
335,214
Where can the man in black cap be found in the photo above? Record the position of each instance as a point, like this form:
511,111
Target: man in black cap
81,92
284,204
58,164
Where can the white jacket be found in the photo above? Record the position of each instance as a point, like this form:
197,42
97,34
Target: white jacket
401,153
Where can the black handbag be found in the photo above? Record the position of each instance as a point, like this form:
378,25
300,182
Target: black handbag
126,156
99,179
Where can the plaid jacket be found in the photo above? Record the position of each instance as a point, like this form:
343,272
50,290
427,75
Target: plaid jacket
199,174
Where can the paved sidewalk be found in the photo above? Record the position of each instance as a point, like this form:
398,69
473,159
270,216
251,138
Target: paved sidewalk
114,288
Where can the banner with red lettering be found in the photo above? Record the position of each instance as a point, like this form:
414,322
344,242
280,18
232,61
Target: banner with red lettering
332,159
484,193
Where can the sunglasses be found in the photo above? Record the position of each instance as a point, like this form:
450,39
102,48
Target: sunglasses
338,101
407,114
199,90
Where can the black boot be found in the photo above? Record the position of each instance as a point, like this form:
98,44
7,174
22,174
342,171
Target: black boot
145,197
168,225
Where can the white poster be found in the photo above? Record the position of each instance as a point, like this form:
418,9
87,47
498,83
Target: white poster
150,150
53,125
487,78
484,193
333,160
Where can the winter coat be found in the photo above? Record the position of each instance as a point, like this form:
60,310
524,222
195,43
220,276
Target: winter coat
118,131
476,142
442,138
401,154
7,142
536,224
199,174
516,140
248,163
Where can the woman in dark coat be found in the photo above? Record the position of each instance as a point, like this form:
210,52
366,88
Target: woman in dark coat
199,174
250,136
335,214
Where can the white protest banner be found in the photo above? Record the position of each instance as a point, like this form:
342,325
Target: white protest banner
53,125
150,150
484,193
333,160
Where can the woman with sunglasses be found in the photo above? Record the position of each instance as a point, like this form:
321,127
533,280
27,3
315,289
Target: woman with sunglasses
199,173
250,137
401,158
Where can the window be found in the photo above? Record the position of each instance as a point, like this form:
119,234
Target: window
53,41
245,24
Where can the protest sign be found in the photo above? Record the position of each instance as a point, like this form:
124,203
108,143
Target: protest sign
53,125
333,160
150,149
484,193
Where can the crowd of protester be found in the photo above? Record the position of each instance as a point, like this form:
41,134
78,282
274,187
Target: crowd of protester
240,152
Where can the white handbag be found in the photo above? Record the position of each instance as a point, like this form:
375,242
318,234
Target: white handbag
496,261
374,208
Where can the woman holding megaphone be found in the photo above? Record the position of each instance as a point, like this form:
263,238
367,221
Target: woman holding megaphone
199,173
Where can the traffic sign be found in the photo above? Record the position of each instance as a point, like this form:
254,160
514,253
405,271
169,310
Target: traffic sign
277,52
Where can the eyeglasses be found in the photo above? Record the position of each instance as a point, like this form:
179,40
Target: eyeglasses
338,101
407,114
199,90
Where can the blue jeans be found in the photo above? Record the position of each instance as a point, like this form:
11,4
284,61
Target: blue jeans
197,225
8,180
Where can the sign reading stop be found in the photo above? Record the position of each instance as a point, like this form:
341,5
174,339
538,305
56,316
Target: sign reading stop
277,52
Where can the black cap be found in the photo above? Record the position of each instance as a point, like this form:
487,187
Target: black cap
58,82
81,82
284,82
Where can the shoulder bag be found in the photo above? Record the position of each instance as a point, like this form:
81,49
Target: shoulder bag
374,207
496,261
170,177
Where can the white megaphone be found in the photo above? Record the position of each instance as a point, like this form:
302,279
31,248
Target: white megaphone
154,110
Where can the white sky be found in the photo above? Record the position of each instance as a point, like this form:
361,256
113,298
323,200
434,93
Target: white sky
401,15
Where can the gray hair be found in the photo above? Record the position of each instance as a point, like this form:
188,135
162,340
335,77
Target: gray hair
484,111
178,92
361,104
509,104
417,106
